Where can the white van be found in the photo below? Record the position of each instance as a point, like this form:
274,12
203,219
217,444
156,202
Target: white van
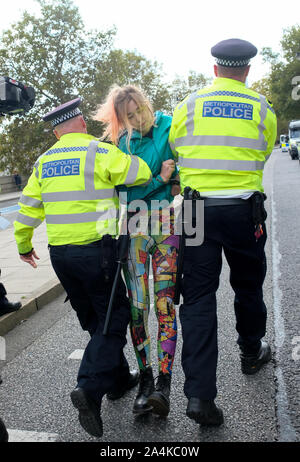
294,135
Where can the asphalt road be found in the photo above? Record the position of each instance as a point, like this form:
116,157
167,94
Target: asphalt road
285,236
39,373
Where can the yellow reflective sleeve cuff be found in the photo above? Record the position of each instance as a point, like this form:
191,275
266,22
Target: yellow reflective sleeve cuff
23,236
28,218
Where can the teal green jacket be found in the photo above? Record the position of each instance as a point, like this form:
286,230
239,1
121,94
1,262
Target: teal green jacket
153,150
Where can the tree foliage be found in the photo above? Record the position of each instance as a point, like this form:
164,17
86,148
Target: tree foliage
123,68
278,84
56,54
181,88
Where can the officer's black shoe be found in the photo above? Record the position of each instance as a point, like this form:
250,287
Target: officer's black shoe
9,307
252,363
146,387
3,432
204,412
133,380
159,399
89,412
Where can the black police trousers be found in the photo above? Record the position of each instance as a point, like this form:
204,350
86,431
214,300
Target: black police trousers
2,292
229,228
78,267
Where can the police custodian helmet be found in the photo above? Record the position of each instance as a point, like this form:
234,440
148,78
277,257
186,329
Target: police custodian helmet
233,52
63,112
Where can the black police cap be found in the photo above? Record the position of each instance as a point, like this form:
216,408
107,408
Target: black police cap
63,112
233,52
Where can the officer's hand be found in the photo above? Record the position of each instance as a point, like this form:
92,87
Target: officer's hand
29,258
167,168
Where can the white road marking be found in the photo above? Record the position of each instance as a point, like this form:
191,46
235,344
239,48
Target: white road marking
24,436
286,430
2,349
77,354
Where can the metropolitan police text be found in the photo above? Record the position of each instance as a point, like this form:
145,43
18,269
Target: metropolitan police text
227,109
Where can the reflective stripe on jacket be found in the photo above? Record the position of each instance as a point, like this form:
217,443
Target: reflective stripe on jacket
222,136
72,186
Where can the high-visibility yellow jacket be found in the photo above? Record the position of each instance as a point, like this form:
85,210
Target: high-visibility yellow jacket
222,136
72,187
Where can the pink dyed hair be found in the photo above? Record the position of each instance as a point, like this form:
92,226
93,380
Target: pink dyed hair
113,112
106,114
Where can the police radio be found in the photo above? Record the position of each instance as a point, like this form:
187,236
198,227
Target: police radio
15,98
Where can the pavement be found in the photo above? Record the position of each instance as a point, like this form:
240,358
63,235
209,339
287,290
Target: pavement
33,287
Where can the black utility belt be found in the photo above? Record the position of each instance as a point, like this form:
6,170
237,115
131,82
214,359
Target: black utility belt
105,240
193,194
256,201
214,202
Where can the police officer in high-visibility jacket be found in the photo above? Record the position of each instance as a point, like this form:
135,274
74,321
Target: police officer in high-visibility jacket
72,187
222,137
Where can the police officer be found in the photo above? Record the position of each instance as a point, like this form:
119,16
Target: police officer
222,136
72,187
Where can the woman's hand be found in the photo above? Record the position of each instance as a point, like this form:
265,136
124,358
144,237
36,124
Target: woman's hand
167,169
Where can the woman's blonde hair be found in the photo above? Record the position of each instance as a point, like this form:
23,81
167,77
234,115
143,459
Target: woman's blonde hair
113,112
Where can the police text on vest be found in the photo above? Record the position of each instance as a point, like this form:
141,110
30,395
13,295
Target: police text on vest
63,167
228,110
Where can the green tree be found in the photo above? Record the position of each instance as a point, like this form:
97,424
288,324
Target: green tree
278,84
123,68
263,86
180,87
54,52
61,59
57,56
22,143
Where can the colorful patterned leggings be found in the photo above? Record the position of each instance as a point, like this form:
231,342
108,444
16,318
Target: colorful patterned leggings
164,251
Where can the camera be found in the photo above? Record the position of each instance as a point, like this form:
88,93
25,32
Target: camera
15,98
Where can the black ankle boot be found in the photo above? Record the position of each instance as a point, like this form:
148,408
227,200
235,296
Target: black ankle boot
252,363
204,412
8,307
159,399
3,432
146,387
